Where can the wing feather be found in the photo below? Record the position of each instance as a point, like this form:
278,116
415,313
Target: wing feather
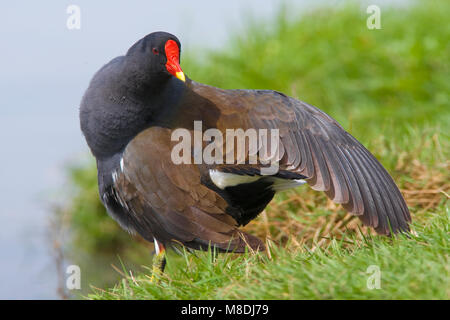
169,201
316,146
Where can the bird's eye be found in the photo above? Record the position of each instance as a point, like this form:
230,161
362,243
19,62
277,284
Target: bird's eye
155,51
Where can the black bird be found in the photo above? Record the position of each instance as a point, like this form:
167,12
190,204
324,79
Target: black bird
134,104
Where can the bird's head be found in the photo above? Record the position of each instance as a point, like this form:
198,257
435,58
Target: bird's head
131,91
157,55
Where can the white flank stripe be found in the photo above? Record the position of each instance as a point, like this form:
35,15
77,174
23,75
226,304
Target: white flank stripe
225,179
121,164
114,176
284,184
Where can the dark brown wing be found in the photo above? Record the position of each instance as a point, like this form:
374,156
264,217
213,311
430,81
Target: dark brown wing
316,146
168,201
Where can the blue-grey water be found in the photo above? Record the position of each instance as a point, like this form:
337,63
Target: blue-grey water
44,69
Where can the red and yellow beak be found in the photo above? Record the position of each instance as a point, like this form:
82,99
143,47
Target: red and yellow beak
173,60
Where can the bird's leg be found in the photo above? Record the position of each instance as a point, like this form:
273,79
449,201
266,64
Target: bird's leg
159,261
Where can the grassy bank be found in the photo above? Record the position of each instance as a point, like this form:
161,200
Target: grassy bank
390,89
410,268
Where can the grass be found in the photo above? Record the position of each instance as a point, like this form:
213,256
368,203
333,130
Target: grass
411,268
322,253
390,88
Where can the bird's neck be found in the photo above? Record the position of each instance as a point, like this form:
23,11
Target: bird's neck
133,109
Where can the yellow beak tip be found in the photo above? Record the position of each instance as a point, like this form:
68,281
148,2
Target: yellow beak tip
180,75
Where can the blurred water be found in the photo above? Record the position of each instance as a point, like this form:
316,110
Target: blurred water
44,69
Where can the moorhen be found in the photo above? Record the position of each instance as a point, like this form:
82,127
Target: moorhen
135,104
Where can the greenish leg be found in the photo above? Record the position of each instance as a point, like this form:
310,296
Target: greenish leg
159,261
